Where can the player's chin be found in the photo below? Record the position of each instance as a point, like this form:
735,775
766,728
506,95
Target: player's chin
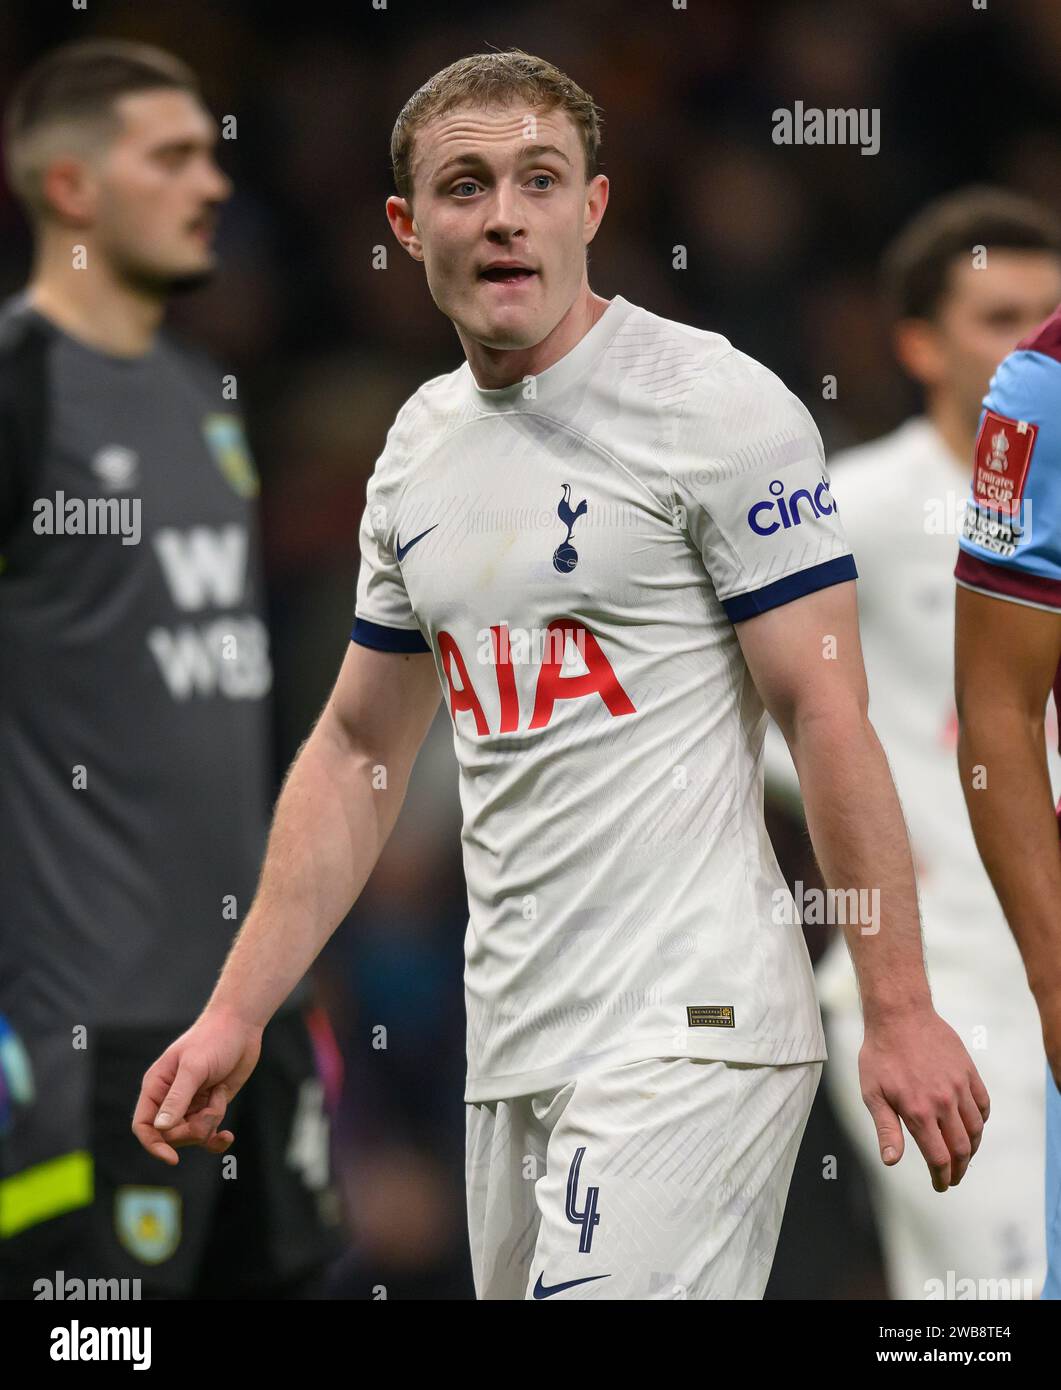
172,274
190,276
510,326
200,258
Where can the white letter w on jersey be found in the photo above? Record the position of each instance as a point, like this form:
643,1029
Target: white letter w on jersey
203,565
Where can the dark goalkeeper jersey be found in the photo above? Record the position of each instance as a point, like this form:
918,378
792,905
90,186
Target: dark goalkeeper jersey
134,675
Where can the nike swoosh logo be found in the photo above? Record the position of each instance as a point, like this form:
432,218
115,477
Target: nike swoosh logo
540,1291
403,550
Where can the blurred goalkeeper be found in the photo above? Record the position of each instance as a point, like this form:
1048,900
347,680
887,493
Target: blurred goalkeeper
133,708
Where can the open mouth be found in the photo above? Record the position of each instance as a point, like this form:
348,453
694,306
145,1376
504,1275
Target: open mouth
507,275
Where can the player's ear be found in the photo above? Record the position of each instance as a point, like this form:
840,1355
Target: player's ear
596,202
70,190
403,225
919,350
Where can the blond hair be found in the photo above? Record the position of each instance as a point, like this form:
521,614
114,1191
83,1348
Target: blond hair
493,79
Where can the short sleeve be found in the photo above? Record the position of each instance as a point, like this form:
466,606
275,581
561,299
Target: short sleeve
383,615
1010,545
753,491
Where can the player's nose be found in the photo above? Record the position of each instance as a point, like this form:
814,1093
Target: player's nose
502,214
219,186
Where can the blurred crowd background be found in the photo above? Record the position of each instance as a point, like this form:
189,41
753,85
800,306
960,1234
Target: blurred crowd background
782,248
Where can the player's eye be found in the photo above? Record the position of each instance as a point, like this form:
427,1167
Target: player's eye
464,183
550,177
175,157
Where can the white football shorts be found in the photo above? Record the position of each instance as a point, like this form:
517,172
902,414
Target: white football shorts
659,1179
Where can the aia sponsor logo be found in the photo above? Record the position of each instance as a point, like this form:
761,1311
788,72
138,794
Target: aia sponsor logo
598,680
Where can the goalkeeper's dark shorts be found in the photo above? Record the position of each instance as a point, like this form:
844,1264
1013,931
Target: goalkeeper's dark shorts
80,1198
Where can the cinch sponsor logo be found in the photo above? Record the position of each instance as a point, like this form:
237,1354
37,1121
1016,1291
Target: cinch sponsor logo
780,511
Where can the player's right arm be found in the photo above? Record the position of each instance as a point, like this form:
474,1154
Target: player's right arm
338,806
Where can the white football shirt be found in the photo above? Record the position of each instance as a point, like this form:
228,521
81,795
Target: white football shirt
574,551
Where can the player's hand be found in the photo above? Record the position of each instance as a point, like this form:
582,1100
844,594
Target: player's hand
186,1092
914,1068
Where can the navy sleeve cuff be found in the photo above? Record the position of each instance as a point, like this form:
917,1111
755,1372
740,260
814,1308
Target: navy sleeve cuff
793,586
387,639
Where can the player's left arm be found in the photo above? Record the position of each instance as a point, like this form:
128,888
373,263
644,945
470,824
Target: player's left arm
806,661
751,491
1006,658
1007,650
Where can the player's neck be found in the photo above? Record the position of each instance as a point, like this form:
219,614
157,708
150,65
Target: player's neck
494,368
952,425
92,305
